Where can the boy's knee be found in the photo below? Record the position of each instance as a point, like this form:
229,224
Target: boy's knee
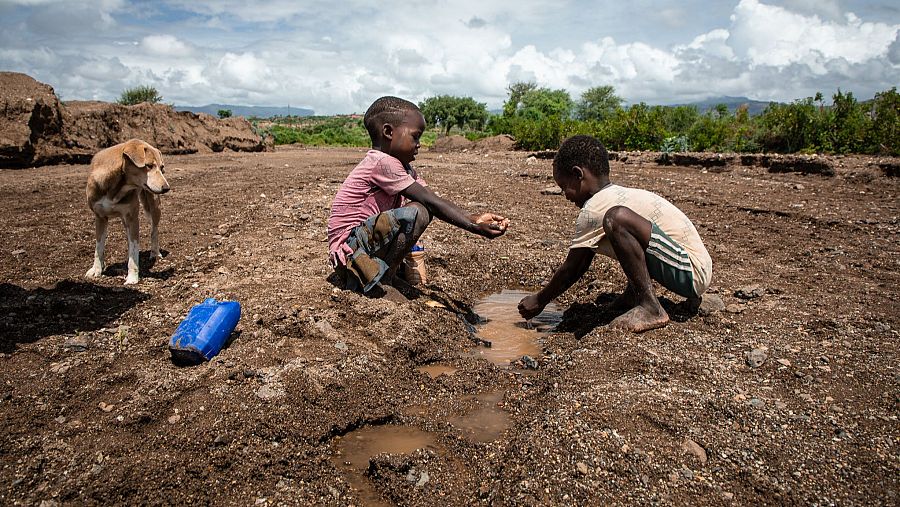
613,218
423,217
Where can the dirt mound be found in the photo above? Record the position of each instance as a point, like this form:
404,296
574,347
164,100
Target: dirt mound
452,143
502,142
30,121
36,129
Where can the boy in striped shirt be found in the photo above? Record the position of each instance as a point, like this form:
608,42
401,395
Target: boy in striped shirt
649,237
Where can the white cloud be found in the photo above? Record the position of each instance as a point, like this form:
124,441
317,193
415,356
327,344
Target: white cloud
165,45
769,35
310,55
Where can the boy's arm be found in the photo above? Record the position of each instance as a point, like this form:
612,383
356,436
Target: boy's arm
488,225
574,267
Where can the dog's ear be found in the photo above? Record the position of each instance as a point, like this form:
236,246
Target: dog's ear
136,151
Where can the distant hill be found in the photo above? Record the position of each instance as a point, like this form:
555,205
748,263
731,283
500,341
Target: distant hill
248,111
754,107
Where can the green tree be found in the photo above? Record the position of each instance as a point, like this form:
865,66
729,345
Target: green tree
542,103
516,92
447,111
224,113
598,103
884,133
138,94
848,124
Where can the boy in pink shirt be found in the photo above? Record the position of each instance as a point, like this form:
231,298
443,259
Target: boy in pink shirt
383,206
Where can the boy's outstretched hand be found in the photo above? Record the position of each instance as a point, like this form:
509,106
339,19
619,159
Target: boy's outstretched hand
530,307
490,225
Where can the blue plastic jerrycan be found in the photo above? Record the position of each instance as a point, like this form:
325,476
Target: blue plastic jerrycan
204,331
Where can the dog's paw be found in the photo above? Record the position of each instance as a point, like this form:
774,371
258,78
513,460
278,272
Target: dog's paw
132,280
93,273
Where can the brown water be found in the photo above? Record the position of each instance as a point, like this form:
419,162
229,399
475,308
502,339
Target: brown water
354,450
435,370
486,422
510,335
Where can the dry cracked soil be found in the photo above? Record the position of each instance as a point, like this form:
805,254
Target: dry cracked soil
783,389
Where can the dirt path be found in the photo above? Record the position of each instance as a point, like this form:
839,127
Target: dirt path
673,416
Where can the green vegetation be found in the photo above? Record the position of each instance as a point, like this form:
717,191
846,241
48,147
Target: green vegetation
446,111
138,94
224,113
540,118
320,131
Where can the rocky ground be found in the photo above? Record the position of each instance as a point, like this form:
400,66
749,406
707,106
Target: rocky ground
783,390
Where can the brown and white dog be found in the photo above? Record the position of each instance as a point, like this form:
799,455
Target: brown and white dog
122,175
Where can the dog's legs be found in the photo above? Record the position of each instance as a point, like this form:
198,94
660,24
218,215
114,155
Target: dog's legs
151,207
132,229
101,227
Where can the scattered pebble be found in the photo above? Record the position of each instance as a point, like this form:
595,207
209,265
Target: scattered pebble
750,292
554,190
582,468
711,303
756,357
174,419
783,362
694,448
105,407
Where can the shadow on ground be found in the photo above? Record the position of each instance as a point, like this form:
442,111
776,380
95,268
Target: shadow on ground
29,315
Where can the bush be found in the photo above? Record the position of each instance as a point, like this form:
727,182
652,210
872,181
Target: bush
138,94
224,113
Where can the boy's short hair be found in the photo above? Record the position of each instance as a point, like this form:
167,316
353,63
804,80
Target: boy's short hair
586,152
386,110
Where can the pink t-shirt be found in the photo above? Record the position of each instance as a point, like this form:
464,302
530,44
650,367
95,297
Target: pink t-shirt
372,187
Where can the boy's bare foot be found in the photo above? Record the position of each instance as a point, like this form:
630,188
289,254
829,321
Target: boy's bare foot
640,319
624,301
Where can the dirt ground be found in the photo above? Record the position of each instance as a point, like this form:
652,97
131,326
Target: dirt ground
788,395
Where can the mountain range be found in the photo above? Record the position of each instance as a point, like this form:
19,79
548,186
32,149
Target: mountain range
248,111
754,107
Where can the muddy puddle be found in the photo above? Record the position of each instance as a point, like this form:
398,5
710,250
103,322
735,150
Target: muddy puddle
354,450
486,422
510,335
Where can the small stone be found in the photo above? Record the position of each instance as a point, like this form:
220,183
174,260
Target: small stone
711,303
734,308
694,448
687,473
554,190
174,419
529,363
757,403
728,495
783,362
18,252
78,343
340,346
756,357
61,419
267,393
750,292
780,405
222,439
423,479
582,468
105,407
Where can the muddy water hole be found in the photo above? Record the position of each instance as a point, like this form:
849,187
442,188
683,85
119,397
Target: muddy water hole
782,389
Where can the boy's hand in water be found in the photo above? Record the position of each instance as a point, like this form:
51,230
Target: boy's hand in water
530,307
490,225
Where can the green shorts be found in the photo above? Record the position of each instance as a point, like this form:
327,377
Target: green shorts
669,264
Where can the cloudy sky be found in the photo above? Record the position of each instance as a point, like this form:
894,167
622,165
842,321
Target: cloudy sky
338,56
